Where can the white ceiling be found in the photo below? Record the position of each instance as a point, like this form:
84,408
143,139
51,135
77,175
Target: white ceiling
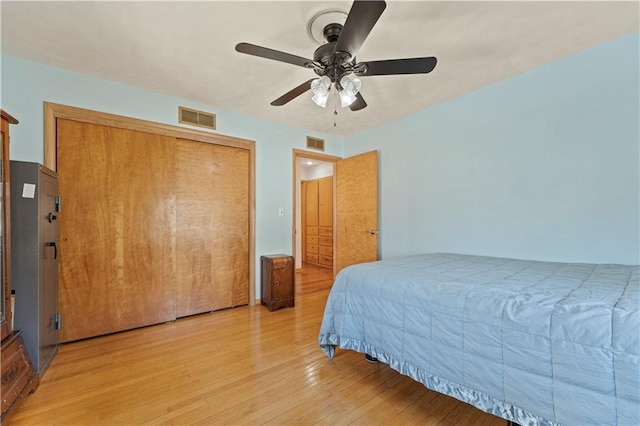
186,49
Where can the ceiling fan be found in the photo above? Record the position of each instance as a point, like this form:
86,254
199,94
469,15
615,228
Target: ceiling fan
335,61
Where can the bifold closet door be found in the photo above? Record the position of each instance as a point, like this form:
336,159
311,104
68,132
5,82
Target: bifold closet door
212,193
117,229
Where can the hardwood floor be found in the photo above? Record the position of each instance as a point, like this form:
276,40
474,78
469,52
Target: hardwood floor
312,278
238,366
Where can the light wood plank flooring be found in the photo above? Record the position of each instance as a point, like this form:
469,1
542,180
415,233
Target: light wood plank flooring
238,366
312,278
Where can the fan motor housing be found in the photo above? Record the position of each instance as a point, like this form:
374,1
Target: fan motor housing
334,62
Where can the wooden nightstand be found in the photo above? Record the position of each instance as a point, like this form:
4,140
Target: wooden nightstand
278,281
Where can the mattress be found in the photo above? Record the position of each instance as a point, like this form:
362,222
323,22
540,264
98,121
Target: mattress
532,342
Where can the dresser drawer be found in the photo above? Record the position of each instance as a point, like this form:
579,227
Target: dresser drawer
325,260
325,241
325,251
313,239
312,258
326,231
312,230
312,248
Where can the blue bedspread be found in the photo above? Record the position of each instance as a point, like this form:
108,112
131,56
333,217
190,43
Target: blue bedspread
532,342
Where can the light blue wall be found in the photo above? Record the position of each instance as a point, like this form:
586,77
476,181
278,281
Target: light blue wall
544,165
26,85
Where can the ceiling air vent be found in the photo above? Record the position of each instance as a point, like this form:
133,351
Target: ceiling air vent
196,118
315,143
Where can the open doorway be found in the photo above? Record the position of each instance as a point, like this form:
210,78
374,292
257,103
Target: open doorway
354,216
314,218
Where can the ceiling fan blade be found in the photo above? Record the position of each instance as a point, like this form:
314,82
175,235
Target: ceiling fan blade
358,104
293,93
276,55
399,66
361,19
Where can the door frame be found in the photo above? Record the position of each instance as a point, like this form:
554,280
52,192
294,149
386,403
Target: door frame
297,154
54,111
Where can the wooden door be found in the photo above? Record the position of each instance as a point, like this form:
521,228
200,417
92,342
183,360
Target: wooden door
356,231
212,189
117,229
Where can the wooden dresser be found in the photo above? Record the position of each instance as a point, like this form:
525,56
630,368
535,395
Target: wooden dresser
318,227
278,281
18,378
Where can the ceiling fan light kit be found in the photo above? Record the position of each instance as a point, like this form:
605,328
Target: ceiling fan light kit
335,61
350,88
320,88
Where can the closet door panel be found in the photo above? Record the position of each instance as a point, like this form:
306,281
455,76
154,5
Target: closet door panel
212,190
325,201
312,203
117,229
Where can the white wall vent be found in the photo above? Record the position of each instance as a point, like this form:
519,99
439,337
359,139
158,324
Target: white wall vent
315,143
197,118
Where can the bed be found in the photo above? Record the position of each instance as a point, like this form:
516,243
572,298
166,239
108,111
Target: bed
531,342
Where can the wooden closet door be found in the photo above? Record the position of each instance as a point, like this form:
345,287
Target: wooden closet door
325,201
212,187
117,229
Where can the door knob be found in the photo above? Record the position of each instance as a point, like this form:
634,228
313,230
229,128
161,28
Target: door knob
51,217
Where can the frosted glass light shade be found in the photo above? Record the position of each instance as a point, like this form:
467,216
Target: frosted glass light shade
321,100
321,86
350,88
346,98
351,84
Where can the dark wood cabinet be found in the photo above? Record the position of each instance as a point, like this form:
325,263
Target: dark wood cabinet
5,228
18,378
278,281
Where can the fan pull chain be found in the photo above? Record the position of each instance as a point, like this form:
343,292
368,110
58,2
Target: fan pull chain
335,111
